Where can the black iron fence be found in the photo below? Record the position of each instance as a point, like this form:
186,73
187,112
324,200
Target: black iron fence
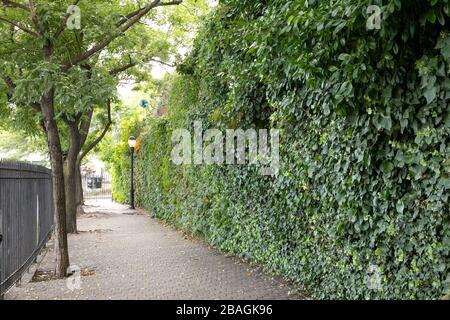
96,187
26,217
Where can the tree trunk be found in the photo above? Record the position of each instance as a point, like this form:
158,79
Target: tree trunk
73,183
56,159
71,206
59,199
79,190
71,180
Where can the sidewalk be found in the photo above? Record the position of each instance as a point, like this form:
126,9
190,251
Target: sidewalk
126,254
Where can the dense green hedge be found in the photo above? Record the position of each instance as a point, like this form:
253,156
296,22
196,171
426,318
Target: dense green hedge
116,154
365,143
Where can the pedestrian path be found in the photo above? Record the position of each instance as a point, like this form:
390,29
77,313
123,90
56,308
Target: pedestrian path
126,254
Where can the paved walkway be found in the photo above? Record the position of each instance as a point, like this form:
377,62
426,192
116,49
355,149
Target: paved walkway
125,254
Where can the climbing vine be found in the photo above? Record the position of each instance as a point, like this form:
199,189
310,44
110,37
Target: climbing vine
365,150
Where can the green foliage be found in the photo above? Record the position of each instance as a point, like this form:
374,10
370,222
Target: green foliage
17,146
85,87
365,156
119,155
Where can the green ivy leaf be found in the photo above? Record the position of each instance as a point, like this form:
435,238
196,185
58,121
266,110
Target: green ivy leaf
400,206
387,167
430,94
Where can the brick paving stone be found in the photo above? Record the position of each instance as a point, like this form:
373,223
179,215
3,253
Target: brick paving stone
134,256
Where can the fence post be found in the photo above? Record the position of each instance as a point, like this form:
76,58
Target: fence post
1,250
26,205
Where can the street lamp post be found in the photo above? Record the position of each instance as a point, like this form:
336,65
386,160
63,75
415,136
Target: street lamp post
132,145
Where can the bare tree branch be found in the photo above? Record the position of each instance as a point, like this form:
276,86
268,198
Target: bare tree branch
134,13
118,70
12,89
100,137
122,29
13,4
10,84
19,26
85,125
161,62
132,64
171,3
128,17
36,106
63,24
34,17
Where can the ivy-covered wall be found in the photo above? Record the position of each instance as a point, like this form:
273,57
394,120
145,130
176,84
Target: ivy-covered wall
364,178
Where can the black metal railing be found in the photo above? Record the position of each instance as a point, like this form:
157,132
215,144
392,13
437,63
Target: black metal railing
26,217
96,187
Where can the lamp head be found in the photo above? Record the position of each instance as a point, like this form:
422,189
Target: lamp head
132,142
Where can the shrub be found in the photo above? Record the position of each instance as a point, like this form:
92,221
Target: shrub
365,156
